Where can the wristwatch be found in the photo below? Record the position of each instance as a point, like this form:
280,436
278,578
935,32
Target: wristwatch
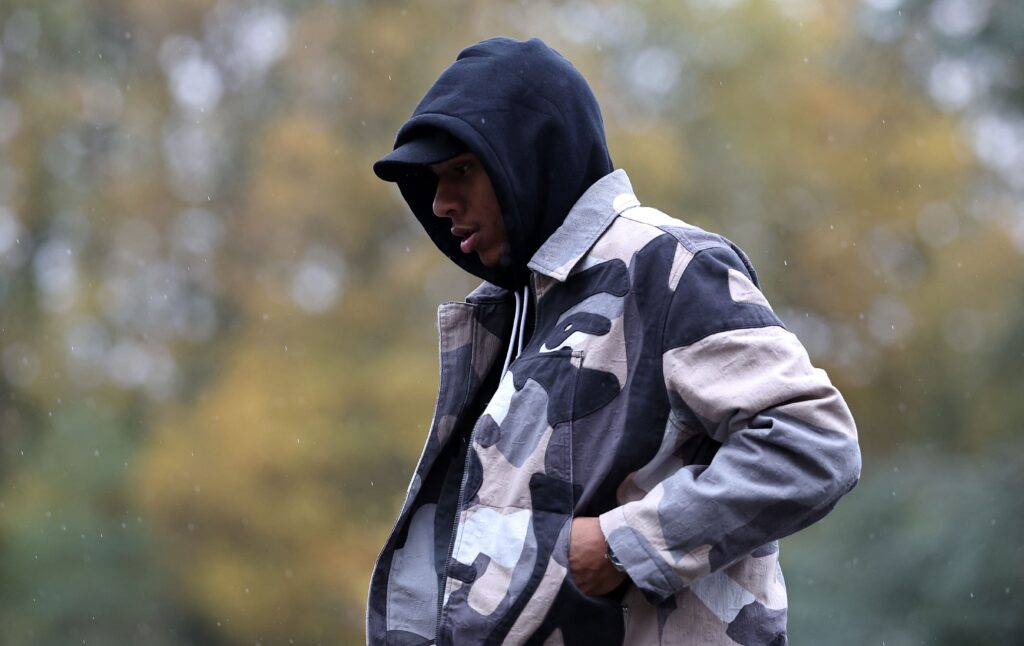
610,555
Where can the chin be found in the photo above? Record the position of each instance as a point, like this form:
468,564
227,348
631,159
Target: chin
490,260
496,259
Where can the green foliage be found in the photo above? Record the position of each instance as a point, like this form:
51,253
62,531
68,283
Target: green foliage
77,559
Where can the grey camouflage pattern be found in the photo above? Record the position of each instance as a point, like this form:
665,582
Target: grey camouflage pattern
658,392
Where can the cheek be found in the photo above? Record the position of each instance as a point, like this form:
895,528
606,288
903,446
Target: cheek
496,234
495,222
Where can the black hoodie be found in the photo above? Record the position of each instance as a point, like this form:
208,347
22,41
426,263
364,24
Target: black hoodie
534,123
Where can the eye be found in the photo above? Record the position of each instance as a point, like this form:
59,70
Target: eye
464,168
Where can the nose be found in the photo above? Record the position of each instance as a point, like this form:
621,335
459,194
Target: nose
446,199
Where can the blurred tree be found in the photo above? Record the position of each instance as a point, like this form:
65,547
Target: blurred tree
289,467
919,556
78,562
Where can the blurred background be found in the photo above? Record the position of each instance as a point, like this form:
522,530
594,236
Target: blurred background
217,328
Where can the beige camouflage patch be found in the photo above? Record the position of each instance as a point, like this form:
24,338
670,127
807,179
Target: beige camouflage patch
506,485
695,563
680,261
742,290
555,638
641,619
653,217
740,373
490,588
625,236
693,624
640,516
530,618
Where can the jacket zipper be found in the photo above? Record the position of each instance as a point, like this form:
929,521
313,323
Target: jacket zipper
455,529
533,303
462,488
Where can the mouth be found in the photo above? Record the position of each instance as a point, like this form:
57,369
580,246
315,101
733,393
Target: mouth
469,236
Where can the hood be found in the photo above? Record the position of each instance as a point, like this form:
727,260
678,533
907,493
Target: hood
532,120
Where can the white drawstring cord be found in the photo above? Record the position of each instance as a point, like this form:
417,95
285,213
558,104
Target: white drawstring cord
518,328
522,321
511,340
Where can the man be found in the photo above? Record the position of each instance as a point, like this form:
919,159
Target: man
624,428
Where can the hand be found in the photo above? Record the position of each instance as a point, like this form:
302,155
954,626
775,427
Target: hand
589,566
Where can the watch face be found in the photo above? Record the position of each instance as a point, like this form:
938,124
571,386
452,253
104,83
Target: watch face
610,555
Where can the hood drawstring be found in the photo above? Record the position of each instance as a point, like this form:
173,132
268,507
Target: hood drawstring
518,328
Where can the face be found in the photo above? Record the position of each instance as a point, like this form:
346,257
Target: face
465,196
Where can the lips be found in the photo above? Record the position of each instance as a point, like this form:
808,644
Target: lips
469,237
468,244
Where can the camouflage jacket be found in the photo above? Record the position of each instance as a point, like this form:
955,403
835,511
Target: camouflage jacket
659,392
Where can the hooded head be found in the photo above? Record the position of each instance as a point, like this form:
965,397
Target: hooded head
533,122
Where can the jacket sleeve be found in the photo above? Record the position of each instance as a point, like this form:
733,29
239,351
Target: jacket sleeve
788,444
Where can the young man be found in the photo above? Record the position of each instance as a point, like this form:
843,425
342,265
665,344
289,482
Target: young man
624,428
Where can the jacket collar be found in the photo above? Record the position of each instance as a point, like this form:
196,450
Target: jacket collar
587,220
